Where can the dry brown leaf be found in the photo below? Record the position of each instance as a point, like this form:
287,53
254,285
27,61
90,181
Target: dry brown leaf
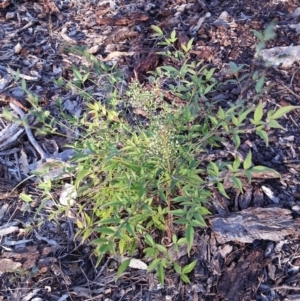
4,4
122,21
8,265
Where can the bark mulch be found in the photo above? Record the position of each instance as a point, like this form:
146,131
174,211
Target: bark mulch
251,248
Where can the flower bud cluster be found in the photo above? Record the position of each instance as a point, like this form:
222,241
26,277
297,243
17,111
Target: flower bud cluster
140,98
163,142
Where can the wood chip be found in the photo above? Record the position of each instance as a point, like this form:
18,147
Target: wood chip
255,223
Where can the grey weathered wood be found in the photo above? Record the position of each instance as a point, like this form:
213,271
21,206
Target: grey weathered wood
255,223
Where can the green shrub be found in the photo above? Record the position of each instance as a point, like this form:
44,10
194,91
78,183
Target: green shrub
137,182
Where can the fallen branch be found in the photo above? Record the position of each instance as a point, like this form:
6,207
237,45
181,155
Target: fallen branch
28,131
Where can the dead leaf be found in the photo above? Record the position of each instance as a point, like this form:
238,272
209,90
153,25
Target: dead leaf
8,265
68,195
122,21
134,263
5,231
3,210
5,4
182,39
270,194
23,162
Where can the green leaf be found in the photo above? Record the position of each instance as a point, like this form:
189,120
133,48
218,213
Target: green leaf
181,241
235,121
264,135
197,223
185,278
214,167
230,168
183,70
130,229
221,113
100,241
103,249
149,240
259,85
150,252
157,30
133,167
269,32
86,234
122,245
79,224
177,268
25,197
236,163
190,44
77,74
213,120
111,220
237,141
188,268
274,124
7,114
17,75
189,235
260,168
121,235
248,175
85,77
23,83
280,112
208,89
222,190
174,238
248,161
161,274
184,48
258,113
210,73
80,176
258,34
153,264
170,69
111,247
238,184
244,115
161,248
106,230
123,266
178,212
173,35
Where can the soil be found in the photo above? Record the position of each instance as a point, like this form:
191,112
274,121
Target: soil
256,261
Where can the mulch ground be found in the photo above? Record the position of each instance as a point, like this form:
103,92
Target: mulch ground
51,265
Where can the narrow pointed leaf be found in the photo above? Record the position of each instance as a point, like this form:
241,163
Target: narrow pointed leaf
185,278
188,268
258,113
222,190
280,112
153,264
189,234
237,141
259,85
264,136
248,161
274,124
123,266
